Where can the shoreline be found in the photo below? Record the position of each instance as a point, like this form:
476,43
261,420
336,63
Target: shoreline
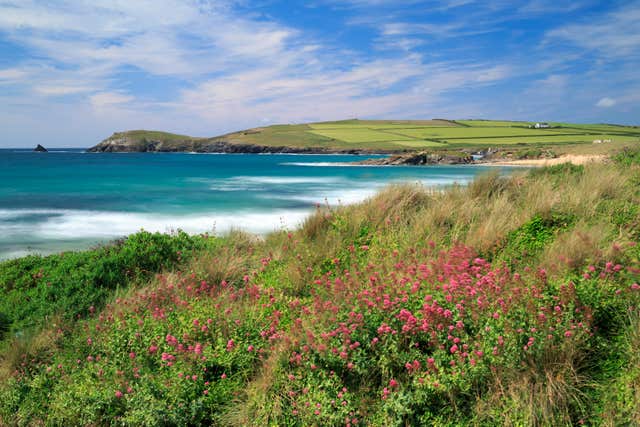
575,159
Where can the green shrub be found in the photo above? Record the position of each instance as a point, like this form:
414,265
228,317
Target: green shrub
34,288
5,325
533,236
560,170
628,157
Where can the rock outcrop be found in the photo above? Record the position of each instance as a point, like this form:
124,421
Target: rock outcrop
423,158
40,149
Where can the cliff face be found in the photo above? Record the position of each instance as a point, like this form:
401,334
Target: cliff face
143,142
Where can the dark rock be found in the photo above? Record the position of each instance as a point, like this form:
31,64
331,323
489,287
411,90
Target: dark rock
122,142
423,158
40,149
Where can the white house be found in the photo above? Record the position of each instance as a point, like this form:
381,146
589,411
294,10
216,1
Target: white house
541,125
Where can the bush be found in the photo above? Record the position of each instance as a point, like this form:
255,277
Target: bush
34,288
5,325
628,157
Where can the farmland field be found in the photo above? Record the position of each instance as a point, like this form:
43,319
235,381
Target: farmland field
360,135
492,123
388,136
465,133
550,139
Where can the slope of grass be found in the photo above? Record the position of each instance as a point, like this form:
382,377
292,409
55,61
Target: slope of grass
512,301
493,123
153,135
397,135
391,136
35,288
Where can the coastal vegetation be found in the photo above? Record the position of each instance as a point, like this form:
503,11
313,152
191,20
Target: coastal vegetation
511,301
383,136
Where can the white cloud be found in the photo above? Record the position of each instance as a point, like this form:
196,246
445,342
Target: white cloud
12,74
109,99
614,35
606,102
61,90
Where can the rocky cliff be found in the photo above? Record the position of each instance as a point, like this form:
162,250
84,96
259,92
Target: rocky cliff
151,141
423,158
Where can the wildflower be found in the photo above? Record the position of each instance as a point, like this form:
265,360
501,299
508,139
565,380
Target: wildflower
385,393
118,394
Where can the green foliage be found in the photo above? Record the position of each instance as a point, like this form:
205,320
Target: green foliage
5,325
533,236
34,288
561,170
628,157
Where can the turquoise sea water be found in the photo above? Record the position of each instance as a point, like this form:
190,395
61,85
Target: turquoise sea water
67,199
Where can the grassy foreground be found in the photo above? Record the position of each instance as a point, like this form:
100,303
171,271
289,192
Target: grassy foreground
513,301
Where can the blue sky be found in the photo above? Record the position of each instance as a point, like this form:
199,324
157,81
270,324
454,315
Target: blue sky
73,72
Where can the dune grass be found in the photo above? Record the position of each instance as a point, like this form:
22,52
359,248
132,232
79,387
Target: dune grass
511,301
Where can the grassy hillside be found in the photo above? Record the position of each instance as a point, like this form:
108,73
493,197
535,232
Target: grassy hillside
406,135
428,134
513,301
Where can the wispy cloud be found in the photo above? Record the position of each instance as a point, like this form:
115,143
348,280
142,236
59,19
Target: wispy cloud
210,66
606,102
614,35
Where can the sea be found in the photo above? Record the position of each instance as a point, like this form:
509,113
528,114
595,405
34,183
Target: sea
68,199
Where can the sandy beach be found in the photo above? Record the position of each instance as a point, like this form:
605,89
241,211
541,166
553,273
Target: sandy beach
576,159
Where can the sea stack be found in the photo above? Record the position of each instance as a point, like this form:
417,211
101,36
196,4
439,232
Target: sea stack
40,149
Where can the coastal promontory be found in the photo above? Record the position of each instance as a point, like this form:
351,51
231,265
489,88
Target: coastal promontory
443,141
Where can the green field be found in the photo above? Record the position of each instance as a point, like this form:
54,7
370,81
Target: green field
360,135
492,123
389,136
410,135
479,132
551,139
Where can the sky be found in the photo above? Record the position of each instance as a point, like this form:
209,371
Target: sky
74,72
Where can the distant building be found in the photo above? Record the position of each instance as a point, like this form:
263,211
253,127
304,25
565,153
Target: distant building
541,125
